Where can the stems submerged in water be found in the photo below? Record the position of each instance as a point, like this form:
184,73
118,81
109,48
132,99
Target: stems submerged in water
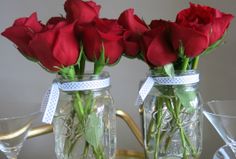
164,132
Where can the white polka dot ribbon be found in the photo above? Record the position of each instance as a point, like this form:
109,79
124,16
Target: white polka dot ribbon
176,80
51,97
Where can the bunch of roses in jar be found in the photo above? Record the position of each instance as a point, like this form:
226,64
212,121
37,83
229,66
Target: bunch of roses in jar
171,101
64,44
84,126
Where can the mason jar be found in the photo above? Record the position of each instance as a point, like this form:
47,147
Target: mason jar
172,114
85,123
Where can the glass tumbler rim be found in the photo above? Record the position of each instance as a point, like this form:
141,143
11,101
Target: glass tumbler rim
20,116
218,114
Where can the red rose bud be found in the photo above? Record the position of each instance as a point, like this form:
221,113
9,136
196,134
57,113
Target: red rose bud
132,22
84,12
56,47
194,42
207,20
135,27
156,44
22,32
105,33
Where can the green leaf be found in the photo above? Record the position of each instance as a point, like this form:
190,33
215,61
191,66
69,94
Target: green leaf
93,130
169,69
186,97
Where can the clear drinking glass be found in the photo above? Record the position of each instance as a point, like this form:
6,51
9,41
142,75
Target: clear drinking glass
222,115
15,122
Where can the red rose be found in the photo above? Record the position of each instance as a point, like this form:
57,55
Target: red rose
193,41
135,27
206,20
84,12
157,48
132,22
22,32
105,33
56,47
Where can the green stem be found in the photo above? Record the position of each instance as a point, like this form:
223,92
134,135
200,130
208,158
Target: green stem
77,104
181,130
151,130
82,65
172,123
182,136
98,68
158,126
99,152
194,152
89,103
86,149
185,64
195,62
170,107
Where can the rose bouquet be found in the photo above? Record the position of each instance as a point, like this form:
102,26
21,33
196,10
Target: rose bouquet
63,46
172,103
172,112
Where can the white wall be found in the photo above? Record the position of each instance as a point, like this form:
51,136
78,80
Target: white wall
22,80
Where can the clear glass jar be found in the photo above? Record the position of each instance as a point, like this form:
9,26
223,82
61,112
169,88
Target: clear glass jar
172,124
85,123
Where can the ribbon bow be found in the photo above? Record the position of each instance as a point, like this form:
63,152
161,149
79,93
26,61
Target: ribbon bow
176,80
51,97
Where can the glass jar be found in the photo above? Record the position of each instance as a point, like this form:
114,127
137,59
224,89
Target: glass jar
172,115
85,123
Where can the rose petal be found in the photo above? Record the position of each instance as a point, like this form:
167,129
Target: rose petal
131,44
132,22
113,51
92,43
66,49
159,52
42,46
84,12
219,27
194,42
21,36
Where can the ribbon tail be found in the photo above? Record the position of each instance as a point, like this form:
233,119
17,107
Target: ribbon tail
145,89
139,101
45,100
49,103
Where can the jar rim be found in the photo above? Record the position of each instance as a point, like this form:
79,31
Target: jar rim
87,76
177,73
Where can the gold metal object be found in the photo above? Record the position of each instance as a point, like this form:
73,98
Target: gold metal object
141,109
131,124
122,154
41,130
16,133
129,153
